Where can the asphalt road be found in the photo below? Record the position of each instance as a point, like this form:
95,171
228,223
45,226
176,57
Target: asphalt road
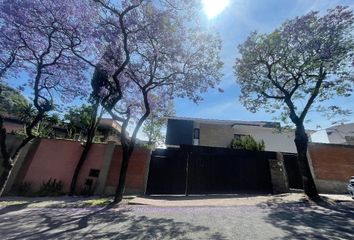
262,221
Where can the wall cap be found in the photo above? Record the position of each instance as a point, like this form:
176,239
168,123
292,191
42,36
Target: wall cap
331,145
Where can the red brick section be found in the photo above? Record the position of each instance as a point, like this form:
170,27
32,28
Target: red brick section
93,161
27,163
137,170
332,162
57,159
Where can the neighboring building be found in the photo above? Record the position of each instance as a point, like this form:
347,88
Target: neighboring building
13,124
107,129
219,133
340,134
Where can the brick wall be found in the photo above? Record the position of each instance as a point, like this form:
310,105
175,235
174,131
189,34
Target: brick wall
57,159
333,165
137,171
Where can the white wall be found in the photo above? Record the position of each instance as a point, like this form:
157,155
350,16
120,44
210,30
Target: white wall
220,135
274,140
320,137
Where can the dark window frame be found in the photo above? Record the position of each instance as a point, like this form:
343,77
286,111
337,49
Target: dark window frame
196,133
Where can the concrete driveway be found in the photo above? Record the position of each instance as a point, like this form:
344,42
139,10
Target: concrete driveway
266,220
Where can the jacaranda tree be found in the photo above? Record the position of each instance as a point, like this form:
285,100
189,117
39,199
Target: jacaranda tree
38,37
110,30
160,54
296,68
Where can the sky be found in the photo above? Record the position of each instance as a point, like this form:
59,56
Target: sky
234,23
234,20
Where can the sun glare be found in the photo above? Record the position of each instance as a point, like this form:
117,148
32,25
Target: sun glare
213,8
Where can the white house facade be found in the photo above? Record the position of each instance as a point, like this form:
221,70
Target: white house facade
219,133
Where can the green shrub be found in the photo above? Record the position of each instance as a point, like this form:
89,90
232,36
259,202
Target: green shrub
87,191
51,188
22,189
247,143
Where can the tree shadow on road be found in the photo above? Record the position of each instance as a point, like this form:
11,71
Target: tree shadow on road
13,207
307,220
107,223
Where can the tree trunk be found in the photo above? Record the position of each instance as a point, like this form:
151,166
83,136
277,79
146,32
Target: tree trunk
127,153
79,165
301,142
4,175
7,166
6,163
87,147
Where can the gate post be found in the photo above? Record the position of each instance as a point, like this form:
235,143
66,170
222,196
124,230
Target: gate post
20,164
187,173
278,174
187,149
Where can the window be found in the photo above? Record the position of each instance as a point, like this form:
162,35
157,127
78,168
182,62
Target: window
196,133
349,140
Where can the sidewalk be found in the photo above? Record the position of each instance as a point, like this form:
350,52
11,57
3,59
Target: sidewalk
167,201
229,200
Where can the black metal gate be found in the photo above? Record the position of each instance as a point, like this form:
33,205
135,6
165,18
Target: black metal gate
167,172
208,170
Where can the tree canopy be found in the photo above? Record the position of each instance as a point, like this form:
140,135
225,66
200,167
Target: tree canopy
302,63
78,119
11,100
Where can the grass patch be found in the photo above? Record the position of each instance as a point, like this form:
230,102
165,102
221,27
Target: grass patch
60,202
99,202
11,203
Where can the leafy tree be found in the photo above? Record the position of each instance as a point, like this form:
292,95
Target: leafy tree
11,100
13,103
295,68
247,143
160,53
153,130
78,120
154,125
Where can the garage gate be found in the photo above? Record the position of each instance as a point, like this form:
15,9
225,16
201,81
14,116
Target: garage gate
208,170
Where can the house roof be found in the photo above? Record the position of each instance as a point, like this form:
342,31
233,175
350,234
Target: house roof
105,123
341,125
11,118
230,122
343,128
109,123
